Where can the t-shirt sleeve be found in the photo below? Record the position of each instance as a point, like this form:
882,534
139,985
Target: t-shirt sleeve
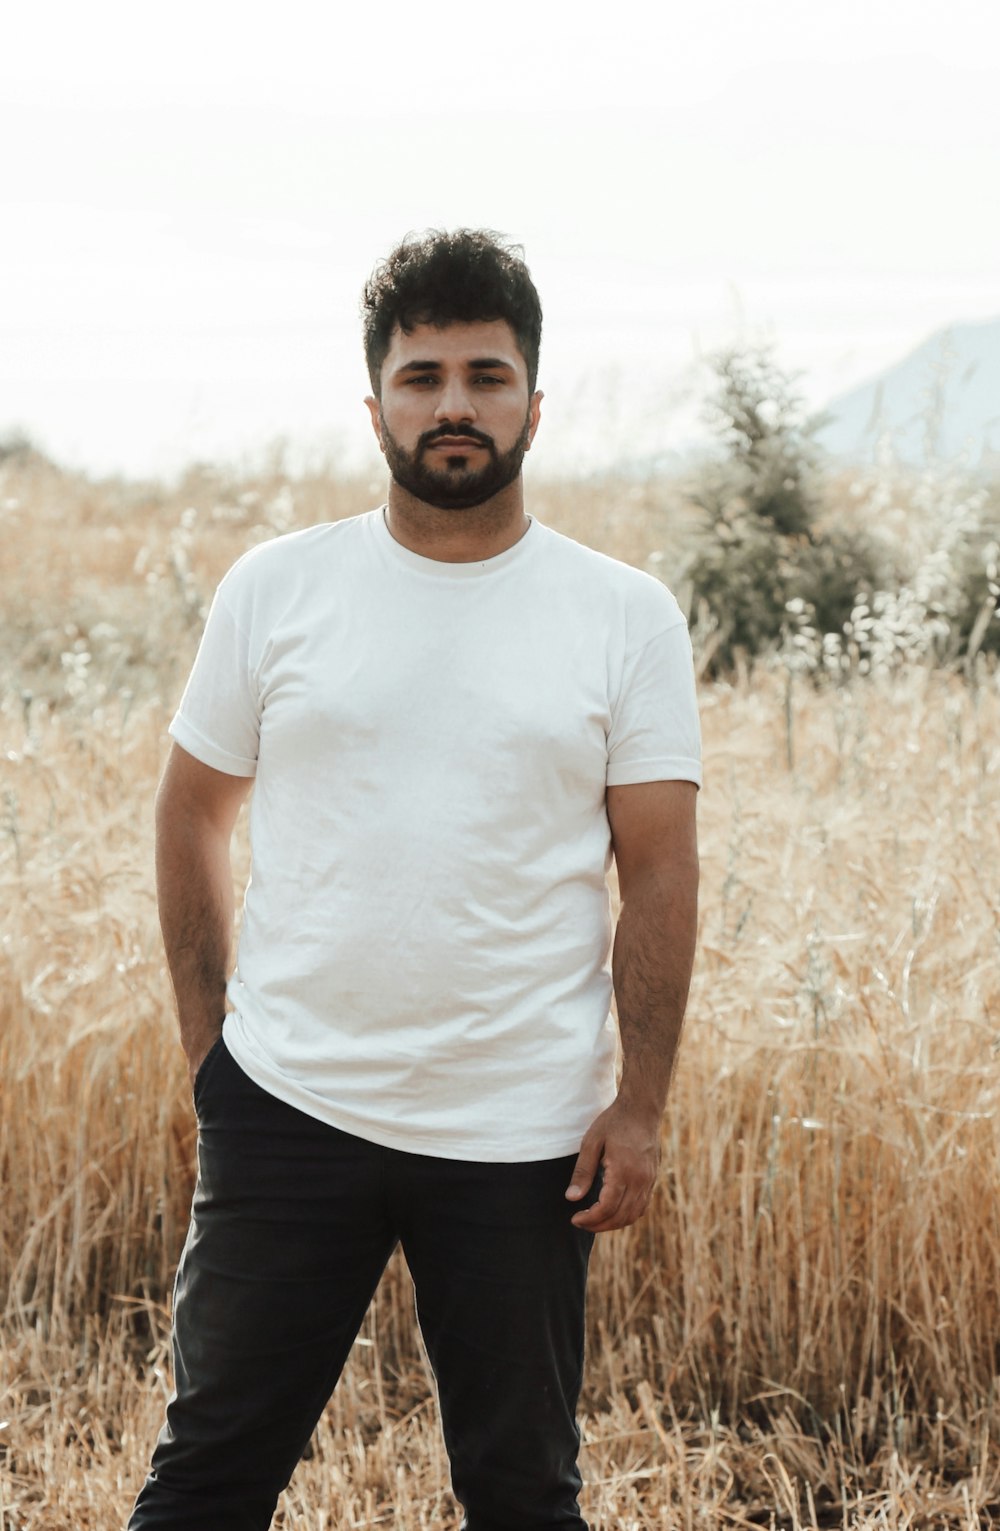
218,720
655,733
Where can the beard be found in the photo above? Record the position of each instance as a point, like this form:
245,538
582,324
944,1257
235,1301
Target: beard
455,486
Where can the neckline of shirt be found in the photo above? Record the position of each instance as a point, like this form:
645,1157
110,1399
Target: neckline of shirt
438,568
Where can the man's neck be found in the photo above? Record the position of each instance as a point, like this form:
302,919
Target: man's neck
457,536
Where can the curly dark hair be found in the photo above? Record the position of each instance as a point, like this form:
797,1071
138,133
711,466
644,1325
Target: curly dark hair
450,278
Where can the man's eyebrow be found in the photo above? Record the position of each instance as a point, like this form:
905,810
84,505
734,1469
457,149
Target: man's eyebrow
477,363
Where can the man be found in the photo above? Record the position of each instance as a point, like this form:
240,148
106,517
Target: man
453,716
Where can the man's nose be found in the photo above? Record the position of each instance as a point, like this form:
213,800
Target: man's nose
455,402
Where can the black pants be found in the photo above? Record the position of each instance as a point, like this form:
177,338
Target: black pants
292,1225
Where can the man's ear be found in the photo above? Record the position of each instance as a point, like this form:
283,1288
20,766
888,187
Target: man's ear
375,410
534,415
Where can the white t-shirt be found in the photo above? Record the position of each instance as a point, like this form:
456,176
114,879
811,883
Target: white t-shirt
425,950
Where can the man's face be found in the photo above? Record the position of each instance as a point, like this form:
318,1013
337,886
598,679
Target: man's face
455,418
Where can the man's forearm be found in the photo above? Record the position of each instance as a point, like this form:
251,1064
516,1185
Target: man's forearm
651,966
195,897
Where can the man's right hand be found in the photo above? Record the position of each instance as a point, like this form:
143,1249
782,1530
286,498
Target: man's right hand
196,1059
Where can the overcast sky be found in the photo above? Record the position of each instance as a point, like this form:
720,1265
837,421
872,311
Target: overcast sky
192,198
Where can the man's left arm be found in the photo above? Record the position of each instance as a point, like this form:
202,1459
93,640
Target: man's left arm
655,845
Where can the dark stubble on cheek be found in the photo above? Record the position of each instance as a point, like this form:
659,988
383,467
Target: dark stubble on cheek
454,488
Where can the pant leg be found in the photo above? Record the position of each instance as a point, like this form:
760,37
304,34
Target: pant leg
500,1277
288,1238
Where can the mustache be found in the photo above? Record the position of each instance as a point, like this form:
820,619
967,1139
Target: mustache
468,431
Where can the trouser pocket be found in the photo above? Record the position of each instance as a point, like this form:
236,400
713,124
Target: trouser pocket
204,1068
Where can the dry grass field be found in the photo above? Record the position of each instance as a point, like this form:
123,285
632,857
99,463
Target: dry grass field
805,1330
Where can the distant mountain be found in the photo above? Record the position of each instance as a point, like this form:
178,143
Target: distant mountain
942,401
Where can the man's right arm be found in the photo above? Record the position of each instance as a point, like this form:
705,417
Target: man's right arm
196,809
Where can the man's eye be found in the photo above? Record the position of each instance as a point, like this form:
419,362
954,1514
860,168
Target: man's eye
425,378
486,378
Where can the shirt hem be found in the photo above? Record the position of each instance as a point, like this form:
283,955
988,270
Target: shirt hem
674,768
429,1145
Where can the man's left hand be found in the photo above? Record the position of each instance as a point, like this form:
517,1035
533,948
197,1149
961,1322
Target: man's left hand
625,1142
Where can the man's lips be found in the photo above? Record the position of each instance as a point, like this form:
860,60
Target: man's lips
452,442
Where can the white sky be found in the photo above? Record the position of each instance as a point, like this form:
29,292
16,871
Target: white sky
192,197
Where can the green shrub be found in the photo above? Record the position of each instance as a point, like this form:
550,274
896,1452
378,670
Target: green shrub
833,570
740,585
972,605
760,545
767,437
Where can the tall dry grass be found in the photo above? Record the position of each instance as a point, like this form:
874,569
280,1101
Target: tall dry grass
803,1331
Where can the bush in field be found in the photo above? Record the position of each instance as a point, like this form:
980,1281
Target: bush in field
741,582
771,466
761,545
942,606
973,607
16,445
833,568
